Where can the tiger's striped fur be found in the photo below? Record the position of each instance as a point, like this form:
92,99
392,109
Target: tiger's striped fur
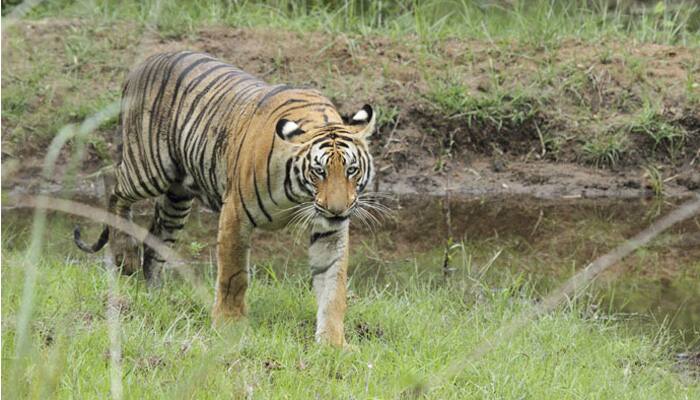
195,127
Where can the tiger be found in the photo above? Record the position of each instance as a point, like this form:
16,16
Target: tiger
260,155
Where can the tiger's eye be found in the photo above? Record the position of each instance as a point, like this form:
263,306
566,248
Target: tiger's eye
320,171
352,171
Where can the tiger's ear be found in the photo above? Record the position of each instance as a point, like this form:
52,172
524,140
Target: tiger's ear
287,129
363,122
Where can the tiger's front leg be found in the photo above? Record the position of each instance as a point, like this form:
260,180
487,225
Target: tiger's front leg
232,267
328,259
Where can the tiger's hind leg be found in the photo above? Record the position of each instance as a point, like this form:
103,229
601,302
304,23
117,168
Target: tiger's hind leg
125,249
127,190
171,212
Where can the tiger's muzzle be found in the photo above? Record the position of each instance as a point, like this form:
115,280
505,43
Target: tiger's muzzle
335,214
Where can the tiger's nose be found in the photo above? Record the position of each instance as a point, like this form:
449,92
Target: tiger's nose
336,210
332,209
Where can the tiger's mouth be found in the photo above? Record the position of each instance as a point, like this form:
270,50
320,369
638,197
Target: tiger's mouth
337,219
334,222
334,219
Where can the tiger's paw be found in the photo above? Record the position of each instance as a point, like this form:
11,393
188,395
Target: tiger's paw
350,347
334,339
223,316
127,254
128,262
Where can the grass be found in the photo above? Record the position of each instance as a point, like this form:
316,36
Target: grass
605,149
496,107
692,86
541,22
387,116
404,324
47,90
396,337
651,123
655,179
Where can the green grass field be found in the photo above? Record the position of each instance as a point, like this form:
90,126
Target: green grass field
398,340
538,21
406,324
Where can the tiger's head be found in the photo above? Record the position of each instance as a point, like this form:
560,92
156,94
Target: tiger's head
332,165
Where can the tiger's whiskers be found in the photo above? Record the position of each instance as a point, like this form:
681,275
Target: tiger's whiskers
301,218
371,209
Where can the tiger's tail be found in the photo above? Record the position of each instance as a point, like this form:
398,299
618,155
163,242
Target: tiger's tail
91,248
104,236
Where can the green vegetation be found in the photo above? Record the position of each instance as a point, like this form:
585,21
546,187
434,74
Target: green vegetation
650,122
497,107
655,179
58,83
405,322
540,22
605,149
387,116
397,337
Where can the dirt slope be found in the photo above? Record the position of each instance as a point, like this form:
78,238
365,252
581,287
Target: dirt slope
495,118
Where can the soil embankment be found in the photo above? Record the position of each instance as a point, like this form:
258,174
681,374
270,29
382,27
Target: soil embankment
571,121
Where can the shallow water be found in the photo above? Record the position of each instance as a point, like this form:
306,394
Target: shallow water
547,240
497,240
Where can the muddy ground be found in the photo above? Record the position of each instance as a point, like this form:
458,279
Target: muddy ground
566,97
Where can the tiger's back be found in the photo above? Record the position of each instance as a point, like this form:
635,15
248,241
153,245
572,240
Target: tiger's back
177,109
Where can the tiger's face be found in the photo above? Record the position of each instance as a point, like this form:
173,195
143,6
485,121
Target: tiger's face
338,170
334,166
